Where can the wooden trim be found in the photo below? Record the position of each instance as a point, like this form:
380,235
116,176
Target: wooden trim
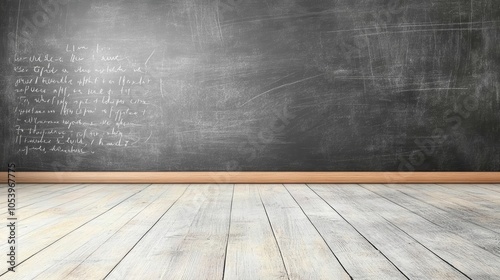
252,177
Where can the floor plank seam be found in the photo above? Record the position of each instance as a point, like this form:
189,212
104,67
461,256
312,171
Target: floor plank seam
118,263
438,225
228,235
362,235
269,231
449,212
65,202
55,241
111,236
468,193
434,253
274,236
322,237
413,212
473,210
41,197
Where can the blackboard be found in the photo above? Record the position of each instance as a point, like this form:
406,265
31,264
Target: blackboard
252,85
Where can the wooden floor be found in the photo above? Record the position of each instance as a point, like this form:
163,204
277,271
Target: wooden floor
255,232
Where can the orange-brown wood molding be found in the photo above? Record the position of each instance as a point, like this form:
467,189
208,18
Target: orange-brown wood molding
252,177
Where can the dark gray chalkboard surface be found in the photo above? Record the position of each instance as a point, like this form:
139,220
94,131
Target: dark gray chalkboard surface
253,85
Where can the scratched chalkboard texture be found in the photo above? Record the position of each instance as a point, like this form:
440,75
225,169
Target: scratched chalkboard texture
253,85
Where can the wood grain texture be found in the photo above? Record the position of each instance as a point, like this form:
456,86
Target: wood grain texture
495,188
305,254
31,205
462,254
448,220
41,229
478,194
360,258
252,251
48,194
469,208
101,243
411,257
255,177
189,242
108,255
291,231
29,192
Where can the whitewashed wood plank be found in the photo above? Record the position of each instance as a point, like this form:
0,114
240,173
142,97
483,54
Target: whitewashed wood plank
474,201
91,251
469,208
305,253
472,190
34,191
37,204
493,187
465,256
31,219
252,251
189,242
74,199
68,204
449,221
107,256
54,223
360,258
411,257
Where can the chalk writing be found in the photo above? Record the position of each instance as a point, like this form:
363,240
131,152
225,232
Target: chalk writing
78,98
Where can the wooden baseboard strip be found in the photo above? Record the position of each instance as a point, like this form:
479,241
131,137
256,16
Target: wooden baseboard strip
251,177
